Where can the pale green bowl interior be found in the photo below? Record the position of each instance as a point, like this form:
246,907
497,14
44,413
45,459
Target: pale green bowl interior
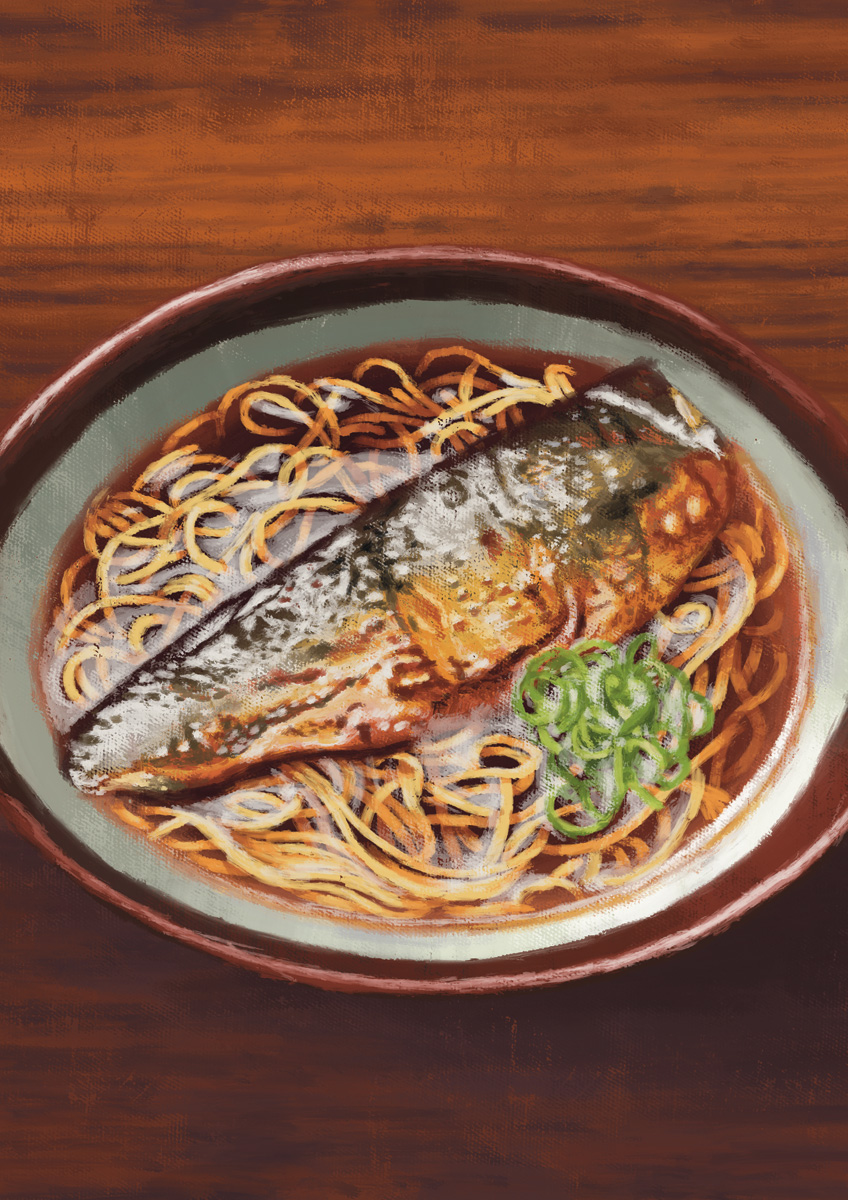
120,432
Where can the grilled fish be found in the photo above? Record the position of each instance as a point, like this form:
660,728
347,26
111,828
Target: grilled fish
585,524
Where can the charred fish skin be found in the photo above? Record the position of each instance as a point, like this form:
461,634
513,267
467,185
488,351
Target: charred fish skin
589,520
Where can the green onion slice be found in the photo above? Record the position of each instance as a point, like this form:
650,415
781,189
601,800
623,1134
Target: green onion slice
614,720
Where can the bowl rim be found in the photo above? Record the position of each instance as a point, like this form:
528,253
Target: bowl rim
815,430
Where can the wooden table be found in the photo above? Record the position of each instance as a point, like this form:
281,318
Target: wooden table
152,146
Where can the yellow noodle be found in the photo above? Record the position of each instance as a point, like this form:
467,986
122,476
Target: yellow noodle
670,838
378,842
401,784
141,626
96,606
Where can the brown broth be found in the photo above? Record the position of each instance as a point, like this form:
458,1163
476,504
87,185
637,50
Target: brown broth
492,698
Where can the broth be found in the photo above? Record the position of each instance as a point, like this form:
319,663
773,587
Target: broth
771,643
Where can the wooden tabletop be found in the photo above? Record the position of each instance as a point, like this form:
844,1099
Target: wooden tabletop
151,146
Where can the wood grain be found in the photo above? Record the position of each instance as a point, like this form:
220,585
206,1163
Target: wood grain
150,146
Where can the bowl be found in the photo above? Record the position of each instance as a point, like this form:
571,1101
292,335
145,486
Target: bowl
181,357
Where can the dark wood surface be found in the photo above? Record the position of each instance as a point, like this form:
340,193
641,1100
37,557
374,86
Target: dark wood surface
151,146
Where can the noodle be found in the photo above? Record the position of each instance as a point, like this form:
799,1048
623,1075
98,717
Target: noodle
431,815
455,826
134,537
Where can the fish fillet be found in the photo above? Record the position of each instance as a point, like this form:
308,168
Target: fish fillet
585,524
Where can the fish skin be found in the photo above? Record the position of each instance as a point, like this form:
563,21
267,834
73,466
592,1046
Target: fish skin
585,524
